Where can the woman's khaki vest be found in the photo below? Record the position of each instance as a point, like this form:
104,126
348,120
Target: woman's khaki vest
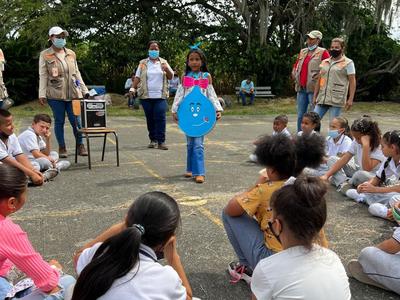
334,82
313,68
142,91
56,82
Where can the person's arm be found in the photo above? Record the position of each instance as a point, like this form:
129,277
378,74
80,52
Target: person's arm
84,89
168,70
367,163
316,89
173,259
251,87
22,163
213,97
18,249
369,187
180,93
233,208
113,230
391,245
42,80
337,165
352,91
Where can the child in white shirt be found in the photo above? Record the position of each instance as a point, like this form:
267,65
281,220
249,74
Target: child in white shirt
35,143
11,152
279,127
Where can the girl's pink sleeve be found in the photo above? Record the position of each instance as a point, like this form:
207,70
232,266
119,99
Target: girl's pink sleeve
16,246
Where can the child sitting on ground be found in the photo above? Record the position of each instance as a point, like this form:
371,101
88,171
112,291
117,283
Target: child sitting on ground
16,252
246,215
279,127
367,156
303,269
310,124
10,149
338,142
380,265
35,143
382,191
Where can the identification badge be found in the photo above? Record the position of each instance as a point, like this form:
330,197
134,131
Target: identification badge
54,72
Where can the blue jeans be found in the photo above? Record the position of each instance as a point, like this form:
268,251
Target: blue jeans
195,156
155,111
246,238
244,95
35,294
59,108
321,110
304,99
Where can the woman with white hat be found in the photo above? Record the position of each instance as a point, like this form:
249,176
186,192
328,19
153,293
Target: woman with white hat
60,82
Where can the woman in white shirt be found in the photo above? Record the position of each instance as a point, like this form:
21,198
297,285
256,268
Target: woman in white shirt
151,85
303,270
125,266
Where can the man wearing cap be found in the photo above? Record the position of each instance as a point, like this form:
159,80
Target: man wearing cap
60,82
3,90
305,72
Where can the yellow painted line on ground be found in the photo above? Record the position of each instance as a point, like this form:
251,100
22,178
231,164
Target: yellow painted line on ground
195,203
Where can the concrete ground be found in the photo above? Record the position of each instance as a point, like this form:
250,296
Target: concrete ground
64,214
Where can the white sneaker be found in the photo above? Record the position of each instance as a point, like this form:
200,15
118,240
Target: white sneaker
378,210
49,174
353,194
63,165
253,158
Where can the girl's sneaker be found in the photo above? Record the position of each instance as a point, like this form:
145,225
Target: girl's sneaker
239,272
188,175
353,194
379,210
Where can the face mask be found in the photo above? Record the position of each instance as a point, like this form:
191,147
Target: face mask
59,43
334,133
153,54
313,47
335,53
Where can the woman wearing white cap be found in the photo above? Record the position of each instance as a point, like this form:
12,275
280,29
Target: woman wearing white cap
305,72
60,82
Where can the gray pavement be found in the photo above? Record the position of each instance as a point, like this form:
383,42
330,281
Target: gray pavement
64,214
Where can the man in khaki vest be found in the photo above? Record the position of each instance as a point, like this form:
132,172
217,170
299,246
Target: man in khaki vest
305,72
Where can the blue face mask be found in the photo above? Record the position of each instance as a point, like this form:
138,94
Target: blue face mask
313,47
59,43
334,133
154,54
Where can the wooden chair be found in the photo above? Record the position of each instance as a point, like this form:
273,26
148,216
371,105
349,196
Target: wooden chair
89,133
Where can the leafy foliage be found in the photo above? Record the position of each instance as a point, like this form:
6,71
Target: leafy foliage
240,37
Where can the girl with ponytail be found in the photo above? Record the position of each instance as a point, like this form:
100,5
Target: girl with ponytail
302,269
367,154
382,191
124,266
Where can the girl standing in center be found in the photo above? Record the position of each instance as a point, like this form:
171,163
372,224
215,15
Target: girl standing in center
196,67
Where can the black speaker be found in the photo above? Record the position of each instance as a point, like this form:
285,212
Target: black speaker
93,114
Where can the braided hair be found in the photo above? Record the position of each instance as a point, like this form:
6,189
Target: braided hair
390,138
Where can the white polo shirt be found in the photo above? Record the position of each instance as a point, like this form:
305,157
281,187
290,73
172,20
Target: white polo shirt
356,151
299,273
30,141
10,148
155,77
284,132
391,170
147,280
341,146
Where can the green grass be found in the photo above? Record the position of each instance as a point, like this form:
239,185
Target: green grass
262,107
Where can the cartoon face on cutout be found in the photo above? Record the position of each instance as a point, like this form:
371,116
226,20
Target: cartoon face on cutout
196,114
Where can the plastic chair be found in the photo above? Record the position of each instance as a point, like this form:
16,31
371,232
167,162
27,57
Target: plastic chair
89,133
